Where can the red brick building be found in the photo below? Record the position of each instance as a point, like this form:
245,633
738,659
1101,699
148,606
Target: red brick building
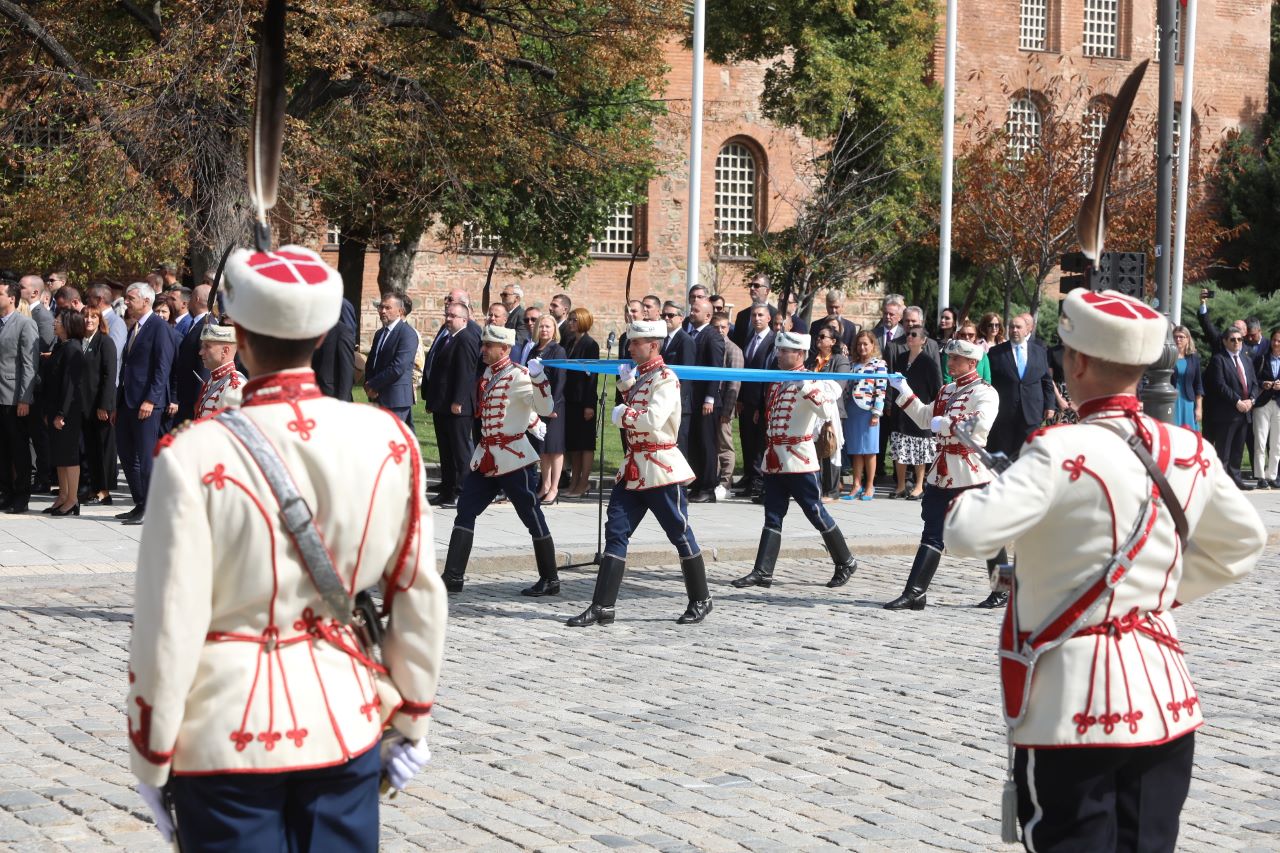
750,172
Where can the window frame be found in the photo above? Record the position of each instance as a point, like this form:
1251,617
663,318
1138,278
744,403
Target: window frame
759,200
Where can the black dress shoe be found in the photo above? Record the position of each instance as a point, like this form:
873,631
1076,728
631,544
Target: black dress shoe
1262,484
596,614
132,515
994,600
436,489
63,513
97,501
443,500
49,510
132,522
18,507
707,497
1243,486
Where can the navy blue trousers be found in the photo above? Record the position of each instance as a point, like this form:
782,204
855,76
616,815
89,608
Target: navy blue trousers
779,489
330,808
404,413
520,487
627,508
136,442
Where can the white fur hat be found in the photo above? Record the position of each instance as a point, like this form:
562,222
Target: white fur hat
498,335
290,293
641,329
792,340
1111,326
218,334
965,349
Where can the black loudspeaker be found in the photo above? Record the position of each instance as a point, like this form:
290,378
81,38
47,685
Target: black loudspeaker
1122,271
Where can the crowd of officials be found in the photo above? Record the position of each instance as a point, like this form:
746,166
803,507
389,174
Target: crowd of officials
63,391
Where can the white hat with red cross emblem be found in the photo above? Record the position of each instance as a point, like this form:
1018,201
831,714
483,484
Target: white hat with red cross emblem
290,293
1113,327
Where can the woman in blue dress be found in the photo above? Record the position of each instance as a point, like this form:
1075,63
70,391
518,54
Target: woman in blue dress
864,402
1186,378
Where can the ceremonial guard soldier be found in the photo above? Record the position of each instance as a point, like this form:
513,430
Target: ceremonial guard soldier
956,468
652,479
223,388
509,399
250,694
795,411
1116,521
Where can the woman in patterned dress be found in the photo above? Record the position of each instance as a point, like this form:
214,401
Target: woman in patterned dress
864,404
911,446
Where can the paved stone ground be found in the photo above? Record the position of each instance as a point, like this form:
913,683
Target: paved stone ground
796,718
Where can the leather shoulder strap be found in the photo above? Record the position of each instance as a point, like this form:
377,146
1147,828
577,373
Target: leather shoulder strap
295,514
1167,497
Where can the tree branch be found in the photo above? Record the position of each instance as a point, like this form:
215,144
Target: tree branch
149,20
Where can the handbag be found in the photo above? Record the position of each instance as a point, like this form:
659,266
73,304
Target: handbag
825,442
360,613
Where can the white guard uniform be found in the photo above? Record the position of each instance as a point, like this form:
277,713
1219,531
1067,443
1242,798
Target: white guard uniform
795,411
219,683
509,403
1127,684
966,399
222,390
652,421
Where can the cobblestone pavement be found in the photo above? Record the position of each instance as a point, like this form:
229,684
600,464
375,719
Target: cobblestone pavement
796,718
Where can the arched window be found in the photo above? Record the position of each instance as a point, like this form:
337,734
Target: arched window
1101,28
1033,25
1022,124
737,178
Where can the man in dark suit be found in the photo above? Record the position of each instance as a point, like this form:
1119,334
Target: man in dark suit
334,361
1230,390
835,312
497,316
698,291
1021,376
189,374
750,407
912,316
19,360
889,329
758,290
512,296
707,398
678,349
143,394
388,374
448,390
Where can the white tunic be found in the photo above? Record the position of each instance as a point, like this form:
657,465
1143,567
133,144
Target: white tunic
231,667
794,411
1069,501
966,399
652,423
509,402
222,390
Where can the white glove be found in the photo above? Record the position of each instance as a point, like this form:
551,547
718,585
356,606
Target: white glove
154,798
626,371
539,429
937,422
404,760
899,384
616,417
535,368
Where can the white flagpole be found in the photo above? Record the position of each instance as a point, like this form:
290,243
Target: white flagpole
1186,142
948,135
692,252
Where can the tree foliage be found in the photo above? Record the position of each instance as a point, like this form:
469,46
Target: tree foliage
528,117
1016,214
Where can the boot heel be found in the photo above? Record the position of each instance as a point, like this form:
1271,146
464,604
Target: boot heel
606,617
917,603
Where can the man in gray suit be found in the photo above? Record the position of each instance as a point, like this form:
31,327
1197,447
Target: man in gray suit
31,287
19,355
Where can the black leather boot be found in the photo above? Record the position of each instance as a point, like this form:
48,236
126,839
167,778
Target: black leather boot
544,552
995,599
840,555
766,557
455,562
918,581
608,582
694,570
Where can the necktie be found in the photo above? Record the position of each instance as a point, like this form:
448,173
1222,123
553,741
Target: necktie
133,336
1244,383
888,336
1021,359
751,348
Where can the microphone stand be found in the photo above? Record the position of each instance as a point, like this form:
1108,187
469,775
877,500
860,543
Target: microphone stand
600,404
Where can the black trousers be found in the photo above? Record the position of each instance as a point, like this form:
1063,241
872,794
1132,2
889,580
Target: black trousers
682,438
1103,798
38,434
1228,438
15,453
454,438
751,435
704,450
